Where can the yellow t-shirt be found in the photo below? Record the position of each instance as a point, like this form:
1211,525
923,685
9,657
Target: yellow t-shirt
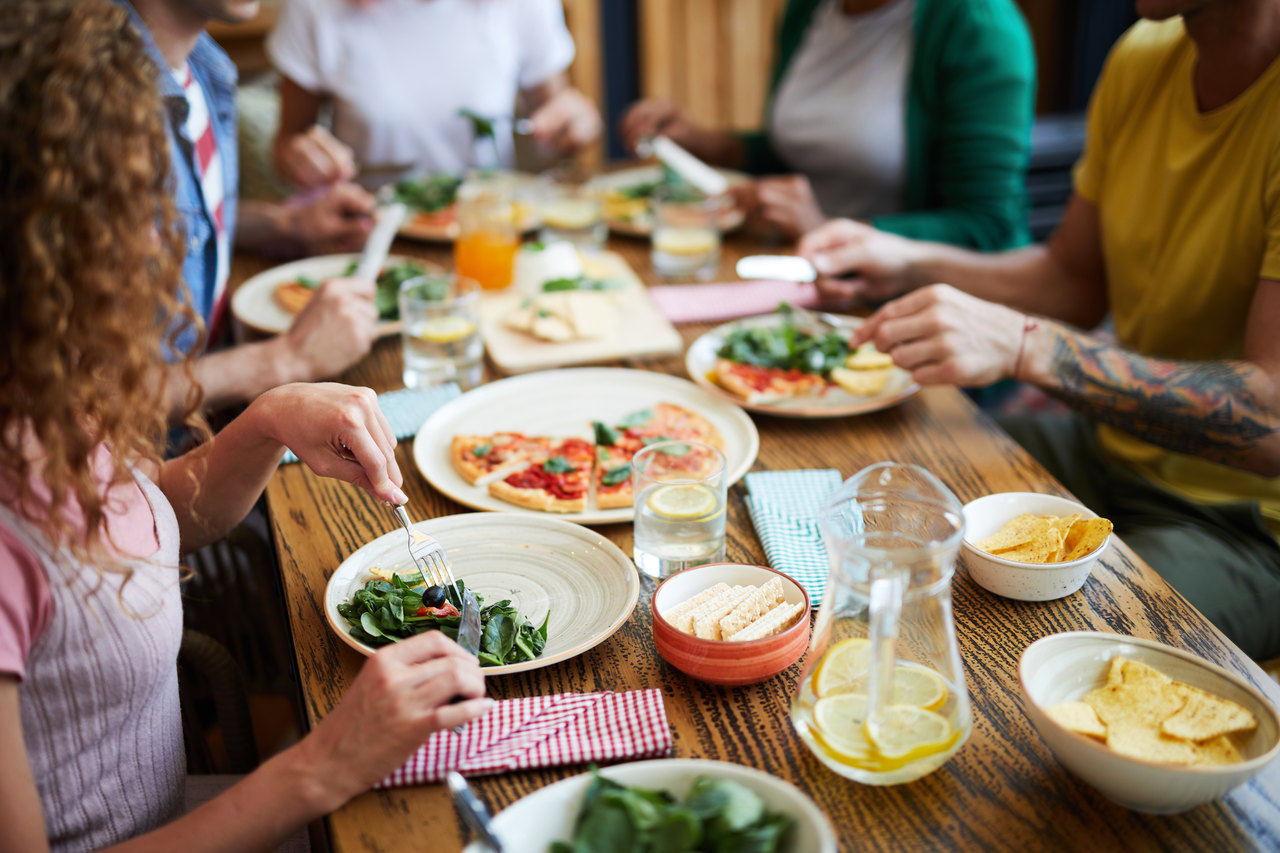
1189,207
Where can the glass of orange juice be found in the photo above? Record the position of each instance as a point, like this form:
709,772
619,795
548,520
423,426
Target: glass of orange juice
686,232
488,233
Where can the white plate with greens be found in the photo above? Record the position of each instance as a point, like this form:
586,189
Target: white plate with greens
254,303
563,403
550,569
833,402
533,823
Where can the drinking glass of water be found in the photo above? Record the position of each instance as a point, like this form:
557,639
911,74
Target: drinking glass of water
680,489
686,232
439,313
572,212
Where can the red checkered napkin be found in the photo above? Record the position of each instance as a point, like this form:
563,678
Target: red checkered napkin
544,731
709,303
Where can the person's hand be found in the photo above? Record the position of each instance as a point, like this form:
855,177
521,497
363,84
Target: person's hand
338,221
338,431
944,336
334,331
871,264
314,158
566,122
783,204
399,698
655,117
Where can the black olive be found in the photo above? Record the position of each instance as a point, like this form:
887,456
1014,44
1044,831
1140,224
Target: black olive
433,596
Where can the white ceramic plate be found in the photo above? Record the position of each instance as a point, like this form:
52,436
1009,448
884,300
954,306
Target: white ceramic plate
530,824
254,305
563,403
541,563
641,226
700,361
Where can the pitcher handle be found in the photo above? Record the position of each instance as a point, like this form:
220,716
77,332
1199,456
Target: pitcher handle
887,589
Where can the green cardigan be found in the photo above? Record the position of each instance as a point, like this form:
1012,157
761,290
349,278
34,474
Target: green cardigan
969,110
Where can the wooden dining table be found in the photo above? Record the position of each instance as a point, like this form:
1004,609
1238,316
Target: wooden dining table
1003,790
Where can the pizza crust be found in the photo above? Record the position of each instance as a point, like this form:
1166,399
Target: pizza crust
536,499
781,389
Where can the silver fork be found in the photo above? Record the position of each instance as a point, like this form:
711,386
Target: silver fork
427,553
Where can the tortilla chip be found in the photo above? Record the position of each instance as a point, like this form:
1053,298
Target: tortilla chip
1016,531
1147,704
1078,717
1133,672
1204,717
1038,550
1138,740
1220,750
1085,537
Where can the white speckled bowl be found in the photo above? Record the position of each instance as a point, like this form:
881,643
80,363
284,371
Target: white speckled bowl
1064,667
1013,579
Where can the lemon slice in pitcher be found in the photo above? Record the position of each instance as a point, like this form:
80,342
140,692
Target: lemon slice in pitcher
907,733
843,668
839,723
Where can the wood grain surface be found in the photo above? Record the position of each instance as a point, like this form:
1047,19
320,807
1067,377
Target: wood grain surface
1002,791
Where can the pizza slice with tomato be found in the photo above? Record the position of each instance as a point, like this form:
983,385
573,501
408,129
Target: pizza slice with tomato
557,483
475,457
766,384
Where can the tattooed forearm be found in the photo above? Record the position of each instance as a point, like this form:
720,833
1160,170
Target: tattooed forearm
1221,410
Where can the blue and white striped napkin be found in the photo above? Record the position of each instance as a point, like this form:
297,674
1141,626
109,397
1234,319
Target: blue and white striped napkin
784,507
407,409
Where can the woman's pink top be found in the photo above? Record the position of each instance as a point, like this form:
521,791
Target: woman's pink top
97,664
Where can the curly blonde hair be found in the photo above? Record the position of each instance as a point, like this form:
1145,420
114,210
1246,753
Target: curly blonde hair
90,262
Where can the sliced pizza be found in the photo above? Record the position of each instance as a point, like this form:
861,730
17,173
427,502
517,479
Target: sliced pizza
557,483
293,296
475,457
766,384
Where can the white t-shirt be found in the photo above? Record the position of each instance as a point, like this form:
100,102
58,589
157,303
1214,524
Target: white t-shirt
839,114
399,71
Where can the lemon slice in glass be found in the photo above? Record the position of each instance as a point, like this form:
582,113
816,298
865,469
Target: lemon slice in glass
446,330
685,241
843,668
906,732
683,501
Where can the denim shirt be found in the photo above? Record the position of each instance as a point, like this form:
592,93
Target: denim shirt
217,76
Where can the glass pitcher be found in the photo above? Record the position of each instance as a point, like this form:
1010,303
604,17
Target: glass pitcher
881,699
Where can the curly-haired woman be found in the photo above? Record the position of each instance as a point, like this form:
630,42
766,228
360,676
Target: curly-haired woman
90,517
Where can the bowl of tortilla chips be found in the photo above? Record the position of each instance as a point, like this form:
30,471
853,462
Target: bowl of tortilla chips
1032,547
1154,728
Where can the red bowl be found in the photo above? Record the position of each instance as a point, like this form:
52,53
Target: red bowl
719,661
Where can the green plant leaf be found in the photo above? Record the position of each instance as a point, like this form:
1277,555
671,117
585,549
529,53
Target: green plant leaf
557,465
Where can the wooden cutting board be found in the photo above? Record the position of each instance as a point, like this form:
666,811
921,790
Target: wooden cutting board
641,332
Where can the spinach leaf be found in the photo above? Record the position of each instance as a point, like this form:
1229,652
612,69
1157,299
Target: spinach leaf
429,194
557,284
308,282
498,636
673,450
636,419
557,465
482,449
617,475
785,347
605,434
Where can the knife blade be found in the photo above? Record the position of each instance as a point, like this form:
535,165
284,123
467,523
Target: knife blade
780,267
469,623
378,243
689,167
473,812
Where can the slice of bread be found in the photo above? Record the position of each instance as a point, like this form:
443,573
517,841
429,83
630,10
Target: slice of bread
775,621
752,608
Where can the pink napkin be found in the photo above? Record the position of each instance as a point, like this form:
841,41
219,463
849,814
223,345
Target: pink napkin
707,303
544,731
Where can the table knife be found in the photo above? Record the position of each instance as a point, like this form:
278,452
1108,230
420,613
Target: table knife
472,810
693,170
779,267
379,243
469,623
